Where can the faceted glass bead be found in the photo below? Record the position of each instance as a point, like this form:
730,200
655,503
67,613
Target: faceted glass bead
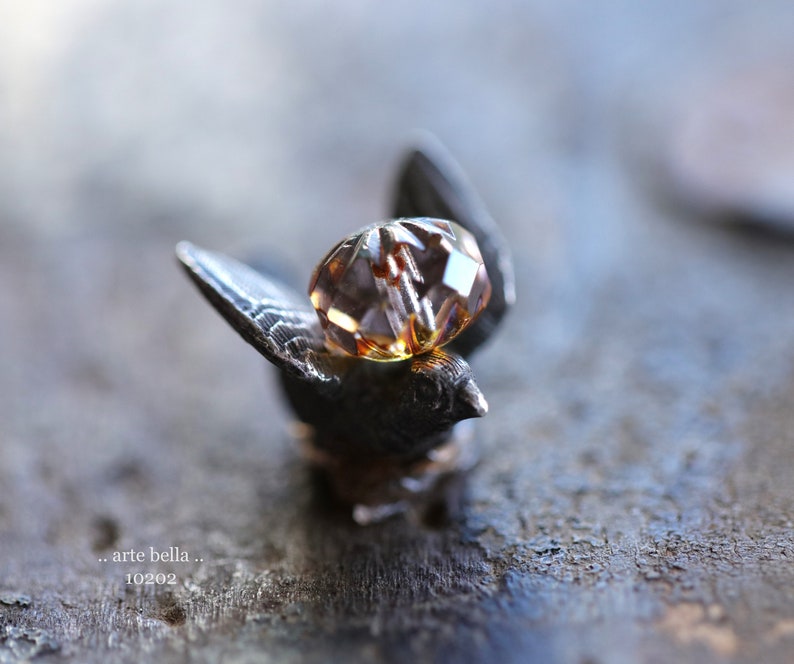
399,288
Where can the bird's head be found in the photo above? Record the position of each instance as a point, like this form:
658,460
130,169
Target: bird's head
416,403
443,385
422,400
391,409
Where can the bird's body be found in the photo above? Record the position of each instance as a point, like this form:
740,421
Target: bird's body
400,410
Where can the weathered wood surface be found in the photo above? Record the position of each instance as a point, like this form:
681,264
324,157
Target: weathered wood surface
635,498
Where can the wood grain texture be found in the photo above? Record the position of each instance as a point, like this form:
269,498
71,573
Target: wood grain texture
634,502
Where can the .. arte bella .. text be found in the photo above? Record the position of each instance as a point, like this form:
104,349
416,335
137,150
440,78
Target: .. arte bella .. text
173,554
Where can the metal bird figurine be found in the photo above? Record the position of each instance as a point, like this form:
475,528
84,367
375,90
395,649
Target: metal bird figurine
360,409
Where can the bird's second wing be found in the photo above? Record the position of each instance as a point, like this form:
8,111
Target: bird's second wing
430,184
267,314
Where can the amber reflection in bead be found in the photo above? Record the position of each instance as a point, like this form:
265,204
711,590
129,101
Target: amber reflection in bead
399,288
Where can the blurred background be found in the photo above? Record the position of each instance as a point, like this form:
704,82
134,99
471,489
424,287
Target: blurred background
626,149
194,117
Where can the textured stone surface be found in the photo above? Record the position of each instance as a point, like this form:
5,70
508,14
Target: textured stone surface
634,502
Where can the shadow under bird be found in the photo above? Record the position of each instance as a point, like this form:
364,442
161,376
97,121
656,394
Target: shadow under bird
360,408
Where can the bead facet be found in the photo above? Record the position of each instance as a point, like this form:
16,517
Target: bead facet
399,288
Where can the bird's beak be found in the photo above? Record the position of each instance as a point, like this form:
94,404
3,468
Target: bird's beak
470,402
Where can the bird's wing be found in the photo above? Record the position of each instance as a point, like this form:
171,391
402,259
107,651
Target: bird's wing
268,315
431,184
